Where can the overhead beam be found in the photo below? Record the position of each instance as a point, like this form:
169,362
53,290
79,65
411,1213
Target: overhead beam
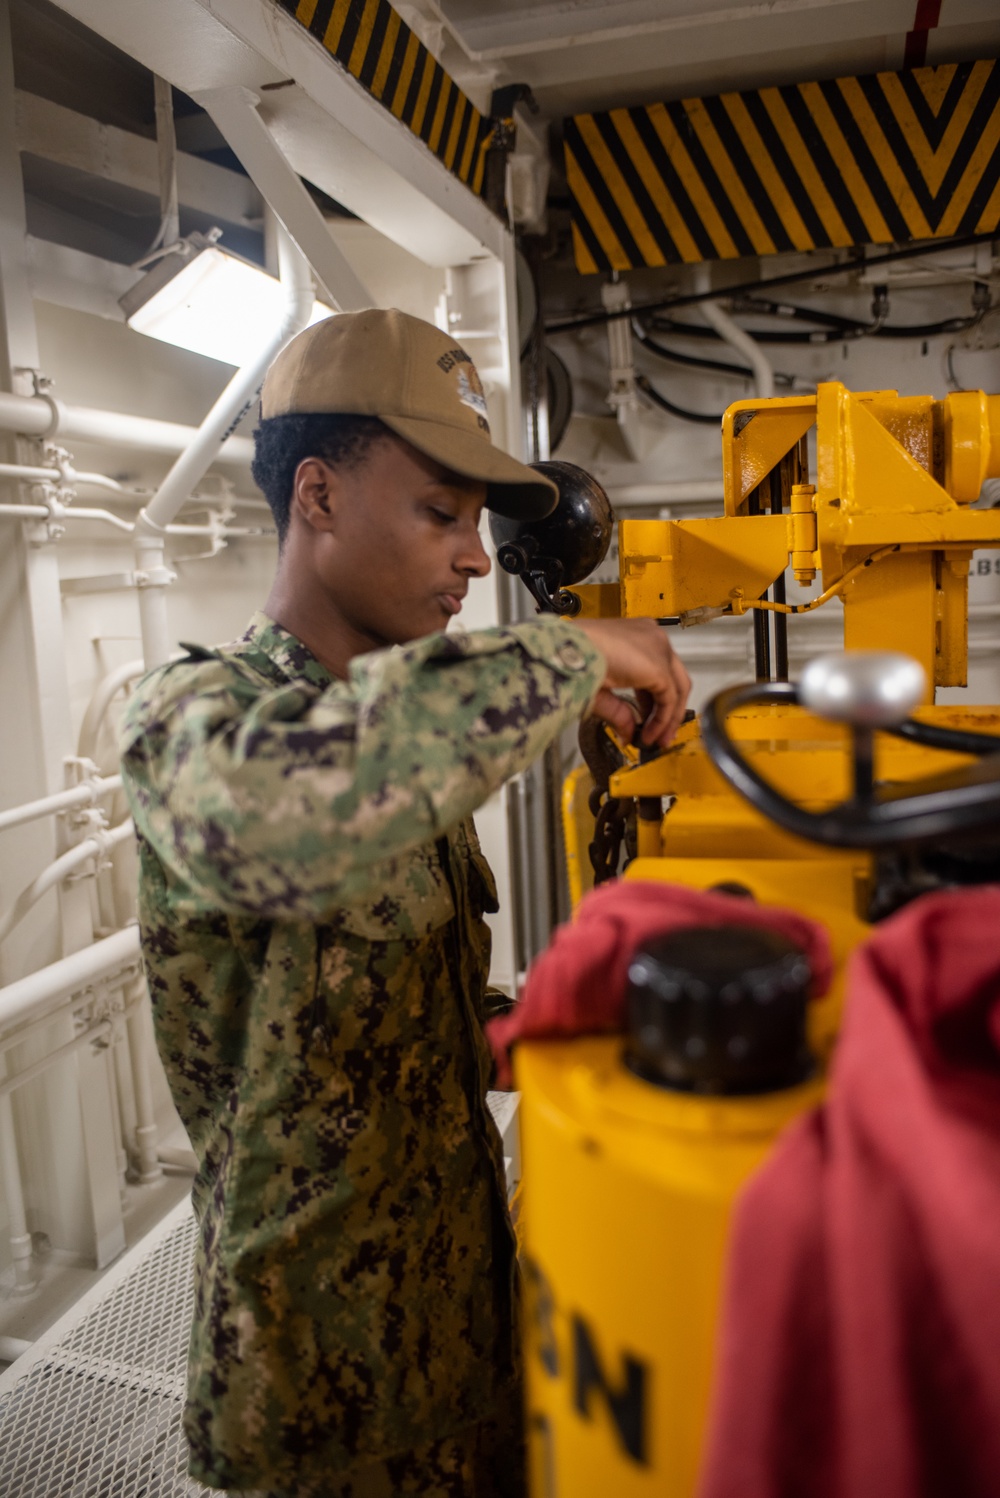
234,111
336,134
75,140
72,278
328,127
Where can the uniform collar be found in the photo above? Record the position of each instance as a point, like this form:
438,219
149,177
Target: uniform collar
293,659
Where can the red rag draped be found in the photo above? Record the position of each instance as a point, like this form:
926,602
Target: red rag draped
860,1338
577,986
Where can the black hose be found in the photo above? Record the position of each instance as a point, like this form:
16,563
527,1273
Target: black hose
692,361
664,404
792,278
846,331
788,309
718,365
854,329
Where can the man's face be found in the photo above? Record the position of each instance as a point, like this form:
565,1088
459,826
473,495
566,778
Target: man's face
401,544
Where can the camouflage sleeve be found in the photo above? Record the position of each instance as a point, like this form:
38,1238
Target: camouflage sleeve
284,801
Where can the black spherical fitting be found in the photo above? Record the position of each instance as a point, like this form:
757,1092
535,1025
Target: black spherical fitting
719,1009
562,548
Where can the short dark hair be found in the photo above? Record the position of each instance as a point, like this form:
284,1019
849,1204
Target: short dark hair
281,443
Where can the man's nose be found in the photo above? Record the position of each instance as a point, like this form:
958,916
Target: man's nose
473,559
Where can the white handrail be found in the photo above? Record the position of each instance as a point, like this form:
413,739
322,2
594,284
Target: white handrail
38,993
102,1028
80,795
99,844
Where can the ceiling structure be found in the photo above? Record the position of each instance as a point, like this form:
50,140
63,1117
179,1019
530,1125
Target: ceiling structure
86,119
584,55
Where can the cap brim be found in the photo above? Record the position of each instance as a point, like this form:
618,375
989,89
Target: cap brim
512,488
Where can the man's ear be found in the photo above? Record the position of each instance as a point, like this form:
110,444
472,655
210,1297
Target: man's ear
315,490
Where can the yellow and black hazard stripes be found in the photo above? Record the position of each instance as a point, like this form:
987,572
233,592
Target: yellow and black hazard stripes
870,160
369,38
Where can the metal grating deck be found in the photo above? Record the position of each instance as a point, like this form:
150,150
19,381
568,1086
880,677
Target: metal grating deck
94,1409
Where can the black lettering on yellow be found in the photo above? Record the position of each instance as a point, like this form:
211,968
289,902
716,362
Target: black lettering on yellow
541,1311
626,1405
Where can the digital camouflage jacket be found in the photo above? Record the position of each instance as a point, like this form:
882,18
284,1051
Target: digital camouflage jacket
311,902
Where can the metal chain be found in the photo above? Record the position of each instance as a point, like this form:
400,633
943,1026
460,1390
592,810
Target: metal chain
609,833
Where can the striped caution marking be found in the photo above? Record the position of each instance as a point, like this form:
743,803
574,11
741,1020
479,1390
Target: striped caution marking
374,44
872,160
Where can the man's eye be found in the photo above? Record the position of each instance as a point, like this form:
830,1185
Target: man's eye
442,517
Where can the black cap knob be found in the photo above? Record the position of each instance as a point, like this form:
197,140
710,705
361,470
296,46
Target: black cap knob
719,1009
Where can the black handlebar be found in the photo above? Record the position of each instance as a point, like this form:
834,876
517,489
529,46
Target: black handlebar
957,801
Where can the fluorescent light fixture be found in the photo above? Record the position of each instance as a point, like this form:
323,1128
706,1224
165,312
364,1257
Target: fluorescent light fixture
210,301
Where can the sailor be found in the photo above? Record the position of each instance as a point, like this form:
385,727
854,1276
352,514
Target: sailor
312,895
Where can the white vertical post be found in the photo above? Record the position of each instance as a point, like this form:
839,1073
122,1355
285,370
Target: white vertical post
101,1154
140,1043
25,1278
34,737
115,1065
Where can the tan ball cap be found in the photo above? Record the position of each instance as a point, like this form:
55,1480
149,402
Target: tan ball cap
416,379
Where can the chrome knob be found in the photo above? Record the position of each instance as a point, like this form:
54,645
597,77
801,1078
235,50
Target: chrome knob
866,688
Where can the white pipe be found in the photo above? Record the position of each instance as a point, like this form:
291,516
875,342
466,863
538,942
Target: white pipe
91,847
735,336
12,1348
195,461
669,491
59,513
43,416
25,512
191,466
28,415
68,475
80,795
35,995
71,478
105,516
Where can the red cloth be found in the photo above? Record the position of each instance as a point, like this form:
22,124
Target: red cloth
577,986
860,1342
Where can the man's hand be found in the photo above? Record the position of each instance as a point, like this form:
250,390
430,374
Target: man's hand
639,655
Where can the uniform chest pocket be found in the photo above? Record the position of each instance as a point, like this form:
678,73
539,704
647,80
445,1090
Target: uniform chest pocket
411,898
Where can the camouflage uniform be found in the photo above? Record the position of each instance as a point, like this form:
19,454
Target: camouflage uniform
311,901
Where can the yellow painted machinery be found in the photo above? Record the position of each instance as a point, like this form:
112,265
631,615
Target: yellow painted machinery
840,797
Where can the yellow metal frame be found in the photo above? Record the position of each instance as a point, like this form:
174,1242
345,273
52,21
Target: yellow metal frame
628,1189
894,479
